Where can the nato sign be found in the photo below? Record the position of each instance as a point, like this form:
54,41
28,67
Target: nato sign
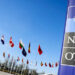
68,53
68,56
67,61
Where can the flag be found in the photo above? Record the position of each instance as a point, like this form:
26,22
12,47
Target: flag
41,63
29,48
8,55
12,59
31,63
12,45
18,59
56,64
49,64
52,65
4,54
24,52
14,63
11,42
46,64
39,50
21,45
2,40
36,64
22,60
27,62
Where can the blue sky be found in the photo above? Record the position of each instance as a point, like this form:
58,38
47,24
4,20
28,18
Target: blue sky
38,21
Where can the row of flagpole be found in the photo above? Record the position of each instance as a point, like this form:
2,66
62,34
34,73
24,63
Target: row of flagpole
42,64
21,46
24,53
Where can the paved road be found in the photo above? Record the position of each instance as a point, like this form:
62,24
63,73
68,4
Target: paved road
4,73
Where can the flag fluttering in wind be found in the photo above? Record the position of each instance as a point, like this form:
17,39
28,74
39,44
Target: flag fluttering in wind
2,40
4,54
11,42
31,63
12,45
41,63
22,60
24,52
45,64
18,59
27,62
40,50
8,55
36,63
12,59
56,64
21,45
49,64
29,48
52,65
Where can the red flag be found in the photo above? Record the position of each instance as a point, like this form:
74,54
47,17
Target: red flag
10,42
27,62
29,48
46,64
56,64
22,60
12,45
49,65
39,50
52,65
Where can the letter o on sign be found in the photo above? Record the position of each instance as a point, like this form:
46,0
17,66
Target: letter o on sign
66,56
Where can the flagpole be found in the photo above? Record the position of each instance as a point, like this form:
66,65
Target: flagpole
22,68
